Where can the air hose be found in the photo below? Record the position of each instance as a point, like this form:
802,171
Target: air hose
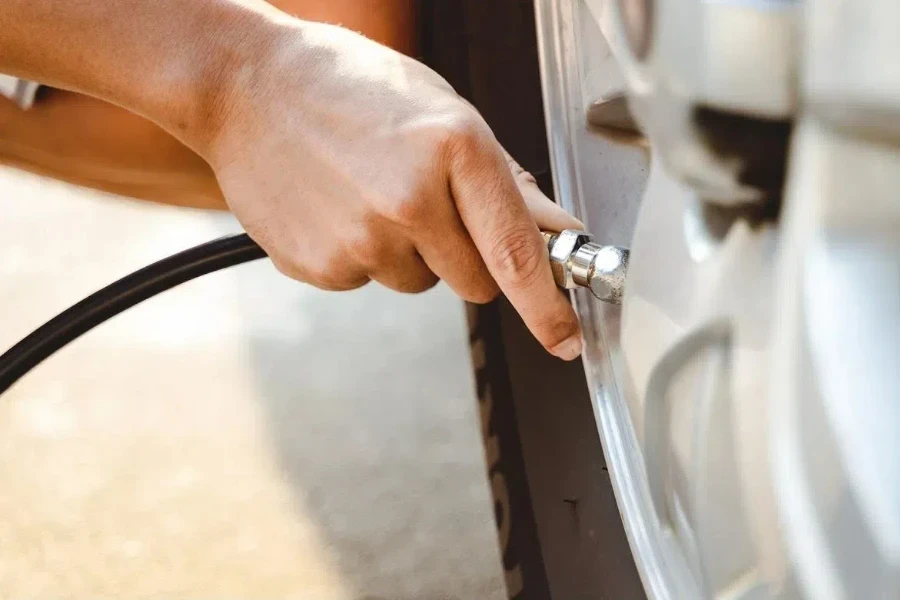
575,260
120,296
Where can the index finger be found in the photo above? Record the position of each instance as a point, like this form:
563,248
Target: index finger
496,216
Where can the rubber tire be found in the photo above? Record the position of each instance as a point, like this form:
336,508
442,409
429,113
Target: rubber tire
558,525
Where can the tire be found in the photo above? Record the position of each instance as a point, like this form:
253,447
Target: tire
558,524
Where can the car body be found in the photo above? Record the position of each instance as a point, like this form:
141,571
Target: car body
744,392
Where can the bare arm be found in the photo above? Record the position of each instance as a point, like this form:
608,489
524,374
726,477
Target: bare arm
345,160
165,59
96,144
89,142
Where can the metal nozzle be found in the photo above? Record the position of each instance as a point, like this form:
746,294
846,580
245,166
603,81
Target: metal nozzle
578,262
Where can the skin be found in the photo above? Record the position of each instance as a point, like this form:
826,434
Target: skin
89,142
346,160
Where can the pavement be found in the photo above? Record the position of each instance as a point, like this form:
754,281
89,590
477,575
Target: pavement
242,436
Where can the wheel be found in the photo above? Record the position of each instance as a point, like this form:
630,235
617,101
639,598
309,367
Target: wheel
558,526
745,394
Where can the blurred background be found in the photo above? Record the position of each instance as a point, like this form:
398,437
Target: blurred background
240,436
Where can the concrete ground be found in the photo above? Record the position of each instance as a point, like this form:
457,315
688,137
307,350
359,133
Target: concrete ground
243,436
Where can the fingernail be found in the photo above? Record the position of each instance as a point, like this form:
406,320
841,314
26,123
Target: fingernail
569,349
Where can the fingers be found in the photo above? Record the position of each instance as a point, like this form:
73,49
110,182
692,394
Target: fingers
451,254
458,261
309,260
349,256
408,274
498,220
324,280
548,215
370,250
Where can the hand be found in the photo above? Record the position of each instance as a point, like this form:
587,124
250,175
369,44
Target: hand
349,162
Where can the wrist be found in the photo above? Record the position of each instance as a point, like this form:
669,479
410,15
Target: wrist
221,68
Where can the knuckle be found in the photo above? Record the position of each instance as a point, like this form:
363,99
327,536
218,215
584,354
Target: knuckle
328,267
289,258
526,178
351,284
408,274
419,284
332,270
341,283
517,257
465,135
336,271
363,246
408,207
483,295
557,330
513,164
519,172
287,268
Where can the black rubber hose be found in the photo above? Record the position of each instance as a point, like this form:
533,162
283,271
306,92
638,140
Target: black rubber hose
120,296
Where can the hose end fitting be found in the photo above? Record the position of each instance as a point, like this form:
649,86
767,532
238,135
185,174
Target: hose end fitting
577,261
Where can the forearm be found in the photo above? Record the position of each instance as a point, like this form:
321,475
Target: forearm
164,59
89,142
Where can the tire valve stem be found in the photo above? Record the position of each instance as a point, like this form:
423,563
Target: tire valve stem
578,262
